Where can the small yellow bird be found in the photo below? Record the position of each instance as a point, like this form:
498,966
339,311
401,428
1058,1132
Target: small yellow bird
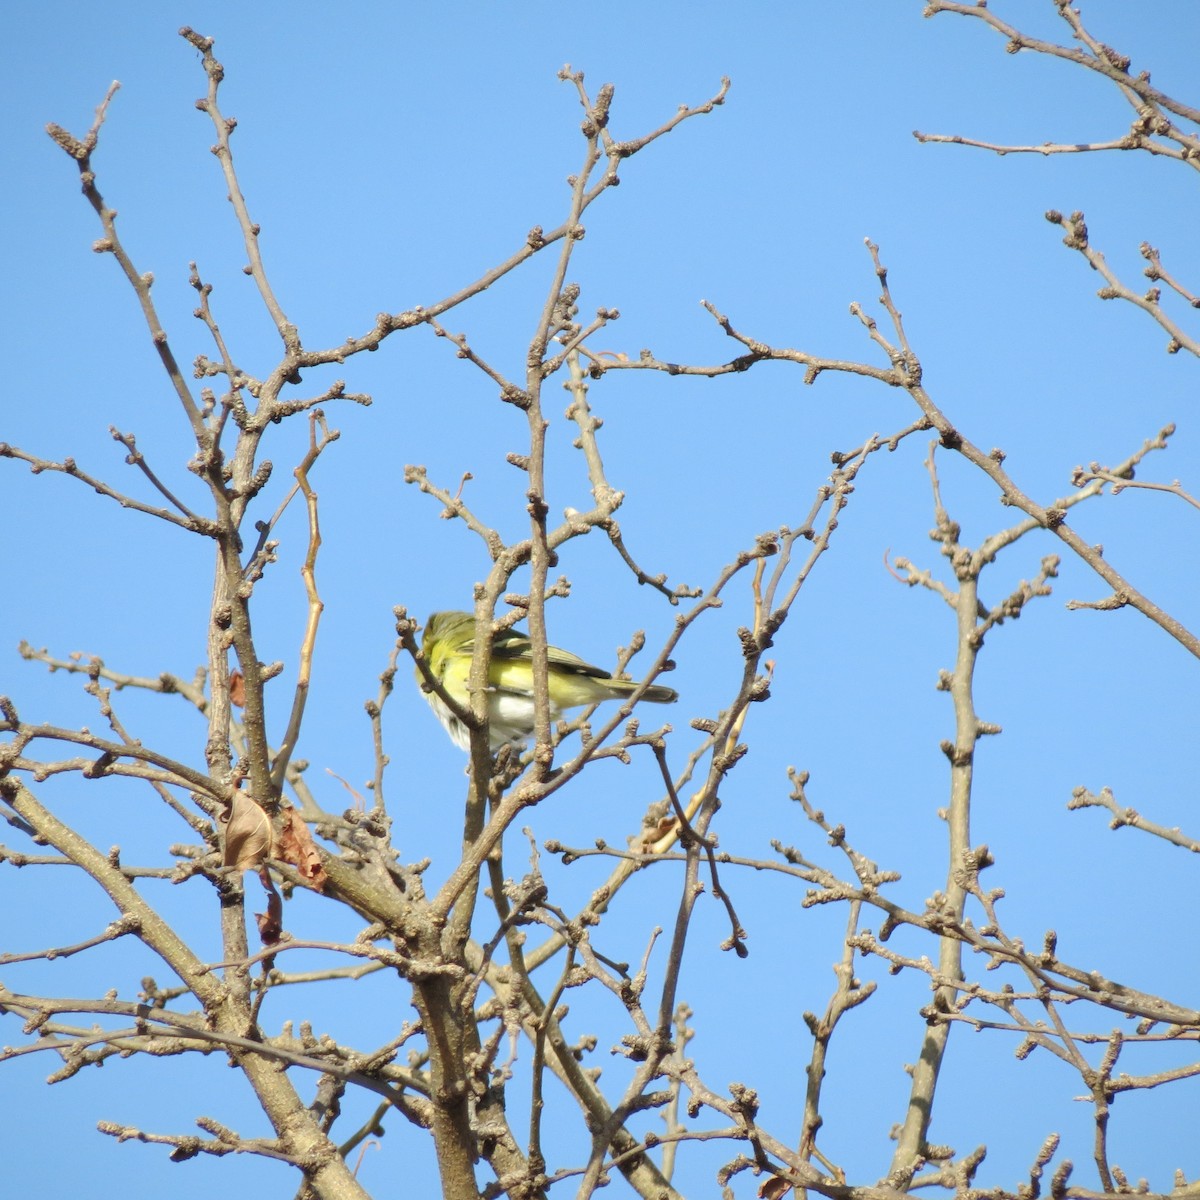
448,644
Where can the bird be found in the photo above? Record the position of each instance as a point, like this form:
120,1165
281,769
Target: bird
448,644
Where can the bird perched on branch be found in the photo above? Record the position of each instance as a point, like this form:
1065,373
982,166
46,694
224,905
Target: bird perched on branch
448,644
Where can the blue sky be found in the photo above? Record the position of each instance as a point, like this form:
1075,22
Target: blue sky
391,153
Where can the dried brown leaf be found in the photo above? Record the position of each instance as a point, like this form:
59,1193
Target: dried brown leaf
296,846
247,835
653,834
270,923
237,689
774,1188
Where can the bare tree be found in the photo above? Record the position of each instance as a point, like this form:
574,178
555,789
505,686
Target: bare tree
495,953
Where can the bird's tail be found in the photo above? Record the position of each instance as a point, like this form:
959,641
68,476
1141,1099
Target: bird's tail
656,693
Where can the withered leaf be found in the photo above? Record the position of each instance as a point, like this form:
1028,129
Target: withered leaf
653,834
296,847
237,689
247,834
774,1188
270,923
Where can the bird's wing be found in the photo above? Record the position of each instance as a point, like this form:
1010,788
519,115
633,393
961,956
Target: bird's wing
513,645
